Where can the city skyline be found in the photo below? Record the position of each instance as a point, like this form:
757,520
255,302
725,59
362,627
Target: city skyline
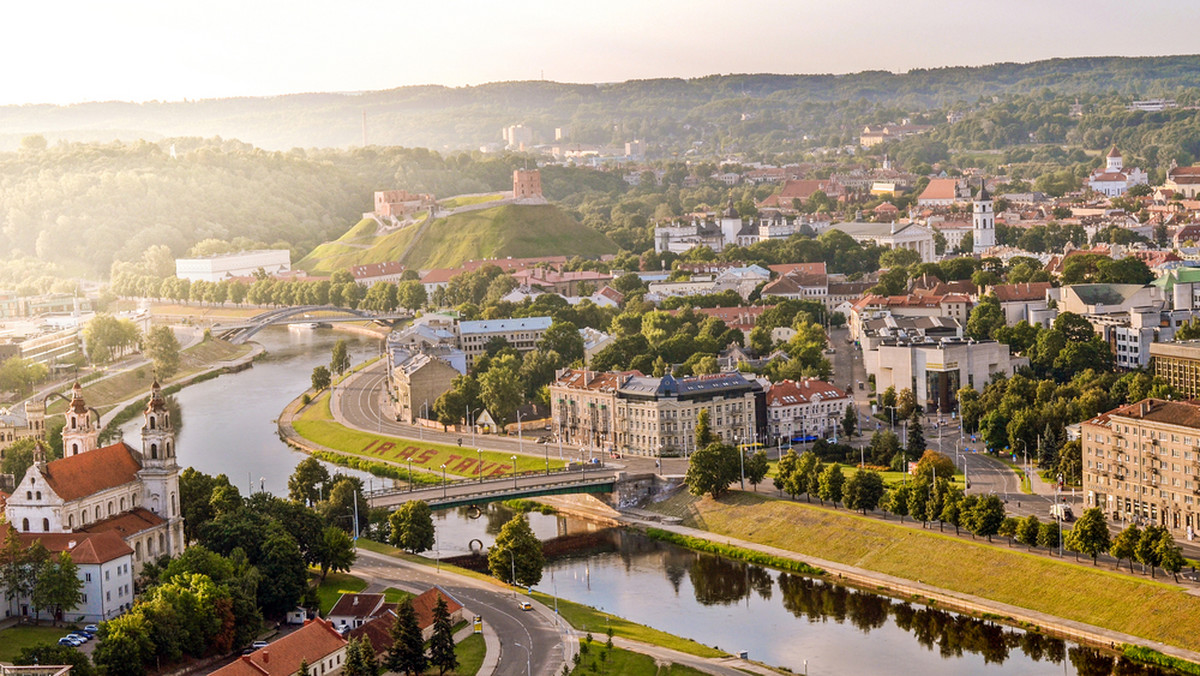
136,51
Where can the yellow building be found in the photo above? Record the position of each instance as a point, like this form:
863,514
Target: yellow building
1178,364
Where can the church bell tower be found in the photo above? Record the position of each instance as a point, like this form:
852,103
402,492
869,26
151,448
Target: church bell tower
81,432
160,471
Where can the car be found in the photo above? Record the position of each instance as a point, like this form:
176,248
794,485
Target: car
259,644
81,637
91,628
1062,511
526,605
67,642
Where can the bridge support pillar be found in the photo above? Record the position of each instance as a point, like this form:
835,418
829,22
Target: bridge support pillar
631,490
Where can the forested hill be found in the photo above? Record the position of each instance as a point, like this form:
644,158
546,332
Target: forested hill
668,111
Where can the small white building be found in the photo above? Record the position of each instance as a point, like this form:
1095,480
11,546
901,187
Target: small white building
803,408
1114,179
105,564
225,266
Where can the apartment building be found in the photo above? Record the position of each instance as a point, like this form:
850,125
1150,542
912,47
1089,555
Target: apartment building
522,334
627,412
1179,364
1141,463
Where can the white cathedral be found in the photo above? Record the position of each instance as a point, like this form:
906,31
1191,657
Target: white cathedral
114,508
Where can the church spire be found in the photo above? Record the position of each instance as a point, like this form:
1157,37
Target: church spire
80,430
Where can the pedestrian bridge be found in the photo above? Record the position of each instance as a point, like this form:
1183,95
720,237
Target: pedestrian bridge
467,492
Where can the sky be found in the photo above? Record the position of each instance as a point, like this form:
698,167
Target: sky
68,51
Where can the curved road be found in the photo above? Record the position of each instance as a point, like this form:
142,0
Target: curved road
547,645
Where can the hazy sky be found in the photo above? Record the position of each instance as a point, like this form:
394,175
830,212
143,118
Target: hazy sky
65,51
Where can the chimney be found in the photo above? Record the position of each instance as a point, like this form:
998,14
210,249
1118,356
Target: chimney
266,656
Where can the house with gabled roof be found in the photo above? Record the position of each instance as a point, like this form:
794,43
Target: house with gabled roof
317,644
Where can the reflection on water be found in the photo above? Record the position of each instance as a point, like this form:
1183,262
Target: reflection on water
782,619
229,422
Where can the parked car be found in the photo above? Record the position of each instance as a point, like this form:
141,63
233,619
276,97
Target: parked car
68,642
259,644
91,628
84,638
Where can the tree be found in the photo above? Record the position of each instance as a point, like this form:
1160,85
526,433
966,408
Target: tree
1090,534
804,479
831,483
124,646
1170,556
59,587
757,467
336,551
986,318
303,670
906,403
163,349
952,508
18,375
320,378
407,654
934,464
517,550
339,359
711,470
850,421
562,337
915,445
1050,535
784,471
863,491
356,663
283,574
1124,545
1146,549
704,435
986,516
411,294
1027,531
18,458
412,527
501,389
50,653
309,481
441,643
896,501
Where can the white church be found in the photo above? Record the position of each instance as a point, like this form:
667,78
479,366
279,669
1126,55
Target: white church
113,508
983,221
1114,179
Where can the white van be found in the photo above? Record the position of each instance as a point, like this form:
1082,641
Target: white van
1062,511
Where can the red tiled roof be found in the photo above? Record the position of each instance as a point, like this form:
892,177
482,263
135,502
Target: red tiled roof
604,381
425,603
806,268
800,189
1114,152
378,631
313,642
940,189
791,393
127,523
88,473
377,269
91,548
1015,292
356,605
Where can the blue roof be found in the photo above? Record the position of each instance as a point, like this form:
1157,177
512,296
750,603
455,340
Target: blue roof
504,325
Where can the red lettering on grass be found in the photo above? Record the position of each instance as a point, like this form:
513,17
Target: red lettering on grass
368,446
501,470
464,466
426,456
384,447
407,452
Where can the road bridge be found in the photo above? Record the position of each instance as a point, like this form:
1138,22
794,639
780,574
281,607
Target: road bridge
467,492
240,332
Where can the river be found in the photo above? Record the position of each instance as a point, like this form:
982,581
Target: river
781,619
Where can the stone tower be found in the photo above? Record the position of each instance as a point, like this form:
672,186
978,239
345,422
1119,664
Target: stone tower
81,431
160,471
984,221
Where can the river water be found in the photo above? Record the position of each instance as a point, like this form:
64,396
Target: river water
781,619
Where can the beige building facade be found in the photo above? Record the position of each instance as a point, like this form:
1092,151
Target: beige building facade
1141,463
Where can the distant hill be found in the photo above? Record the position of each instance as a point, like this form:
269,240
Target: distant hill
677,112
510,230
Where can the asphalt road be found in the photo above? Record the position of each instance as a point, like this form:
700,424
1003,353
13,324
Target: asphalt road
499,609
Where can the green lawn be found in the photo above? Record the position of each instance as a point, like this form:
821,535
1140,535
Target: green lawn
470,652
1154,610
15,639
601,660
336,584
585,619
317,425
890,478
455,202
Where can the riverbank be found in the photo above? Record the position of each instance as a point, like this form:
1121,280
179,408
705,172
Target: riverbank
1089,605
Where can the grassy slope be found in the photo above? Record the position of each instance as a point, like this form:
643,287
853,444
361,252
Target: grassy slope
1075,591
509,230
15,639
316,424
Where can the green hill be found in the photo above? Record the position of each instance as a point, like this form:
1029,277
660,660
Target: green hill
510,230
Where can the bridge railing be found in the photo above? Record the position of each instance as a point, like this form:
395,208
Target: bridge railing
581,471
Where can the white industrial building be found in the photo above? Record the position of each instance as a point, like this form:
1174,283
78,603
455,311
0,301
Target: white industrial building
225,266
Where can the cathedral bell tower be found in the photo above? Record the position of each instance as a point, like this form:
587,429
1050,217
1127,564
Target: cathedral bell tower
81,432
983,231
160,472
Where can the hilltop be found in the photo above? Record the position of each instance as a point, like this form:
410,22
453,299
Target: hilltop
516,230
679,110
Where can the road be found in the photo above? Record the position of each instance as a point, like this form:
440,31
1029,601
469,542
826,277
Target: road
549,648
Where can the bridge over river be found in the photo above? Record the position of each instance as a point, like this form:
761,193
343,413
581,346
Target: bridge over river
241,331
615,486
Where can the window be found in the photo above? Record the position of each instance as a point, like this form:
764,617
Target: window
45,525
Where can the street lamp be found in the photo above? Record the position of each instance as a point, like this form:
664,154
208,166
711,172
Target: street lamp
514,462
527,663
520,439
479,464
471,420
443,481
741,458
411,484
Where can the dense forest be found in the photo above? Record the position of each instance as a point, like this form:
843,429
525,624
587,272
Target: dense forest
720,112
